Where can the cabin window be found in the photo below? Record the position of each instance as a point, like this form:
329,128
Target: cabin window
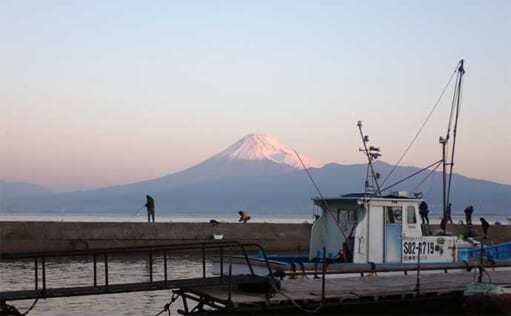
352,215
393,215
349,216
410,215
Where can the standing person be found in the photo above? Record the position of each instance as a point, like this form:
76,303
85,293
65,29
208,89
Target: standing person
485,225
448,213
443,224
150,208
424,211
468,214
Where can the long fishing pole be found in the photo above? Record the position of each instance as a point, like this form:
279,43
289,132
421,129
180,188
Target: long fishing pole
138,211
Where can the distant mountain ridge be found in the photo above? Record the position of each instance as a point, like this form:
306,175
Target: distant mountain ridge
260,174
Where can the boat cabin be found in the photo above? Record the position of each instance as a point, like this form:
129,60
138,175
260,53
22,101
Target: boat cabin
363,228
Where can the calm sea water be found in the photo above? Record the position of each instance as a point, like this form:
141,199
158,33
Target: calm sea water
20,276
198,218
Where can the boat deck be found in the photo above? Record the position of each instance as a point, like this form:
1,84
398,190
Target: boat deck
348,290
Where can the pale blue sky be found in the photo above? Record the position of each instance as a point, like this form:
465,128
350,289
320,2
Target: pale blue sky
95,93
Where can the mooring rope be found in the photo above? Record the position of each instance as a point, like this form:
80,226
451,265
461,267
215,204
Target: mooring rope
31,307
166,307
296,304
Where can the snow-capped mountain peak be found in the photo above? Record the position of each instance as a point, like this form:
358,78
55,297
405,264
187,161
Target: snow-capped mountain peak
265,147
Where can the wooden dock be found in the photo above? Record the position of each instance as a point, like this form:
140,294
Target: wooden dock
348,294
380,288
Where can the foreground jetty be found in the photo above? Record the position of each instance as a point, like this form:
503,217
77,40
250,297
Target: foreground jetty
70,236
408,289
438,293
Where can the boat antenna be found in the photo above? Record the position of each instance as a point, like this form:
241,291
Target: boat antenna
455,111
372,153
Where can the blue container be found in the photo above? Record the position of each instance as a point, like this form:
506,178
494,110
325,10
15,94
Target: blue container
500,251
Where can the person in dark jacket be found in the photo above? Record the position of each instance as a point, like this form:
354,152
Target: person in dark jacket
424,211
485,225
150,208
468,214
443,224
448,213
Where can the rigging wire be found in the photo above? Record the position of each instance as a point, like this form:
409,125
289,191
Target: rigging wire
427,176
421,127
323,200
412,175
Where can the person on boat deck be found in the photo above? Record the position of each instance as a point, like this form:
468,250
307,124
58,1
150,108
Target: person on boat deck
244,217
424,211
448,213
150,208
443,224
485,225
345,254
468,214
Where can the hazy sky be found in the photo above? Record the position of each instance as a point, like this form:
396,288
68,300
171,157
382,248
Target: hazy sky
95,93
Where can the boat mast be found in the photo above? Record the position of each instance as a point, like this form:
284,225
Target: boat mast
455,107
372,153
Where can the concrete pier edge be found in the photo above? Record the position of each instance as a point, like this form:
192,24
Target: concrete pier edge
274,237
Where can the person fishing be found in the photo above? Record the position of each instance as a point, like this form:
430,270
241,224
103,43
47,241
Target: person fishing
485,225
150,208
424,211
468,214
244,217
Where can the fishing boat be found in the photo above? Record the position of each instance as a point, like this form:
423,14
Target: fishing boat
357,231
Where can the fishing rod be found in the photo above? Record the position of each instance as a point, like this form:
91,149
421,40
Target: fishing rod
138,211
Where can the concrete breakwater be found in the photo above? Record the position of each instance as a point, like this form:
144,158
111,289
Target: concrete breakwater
49,236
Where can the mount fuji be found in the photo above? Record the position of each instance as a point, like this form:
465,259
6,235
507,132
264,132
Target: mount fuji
254,155
260,174
265,147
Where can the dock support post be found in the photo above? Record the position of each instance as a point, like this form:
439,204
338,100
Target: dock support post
203,261
36,276
151,266
221,262
44,275
185,304
95,266
323,275
229,294
481,269
165,276
418,283
106,270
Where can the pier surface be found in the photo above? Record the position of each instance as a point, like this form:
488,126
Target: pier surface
69,236
344,291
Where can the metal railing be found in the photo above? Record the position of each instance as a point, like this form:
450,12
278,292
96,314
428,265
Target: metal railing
218,249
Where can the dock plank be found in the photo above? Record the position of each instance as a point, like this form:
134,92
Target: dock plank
346,288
